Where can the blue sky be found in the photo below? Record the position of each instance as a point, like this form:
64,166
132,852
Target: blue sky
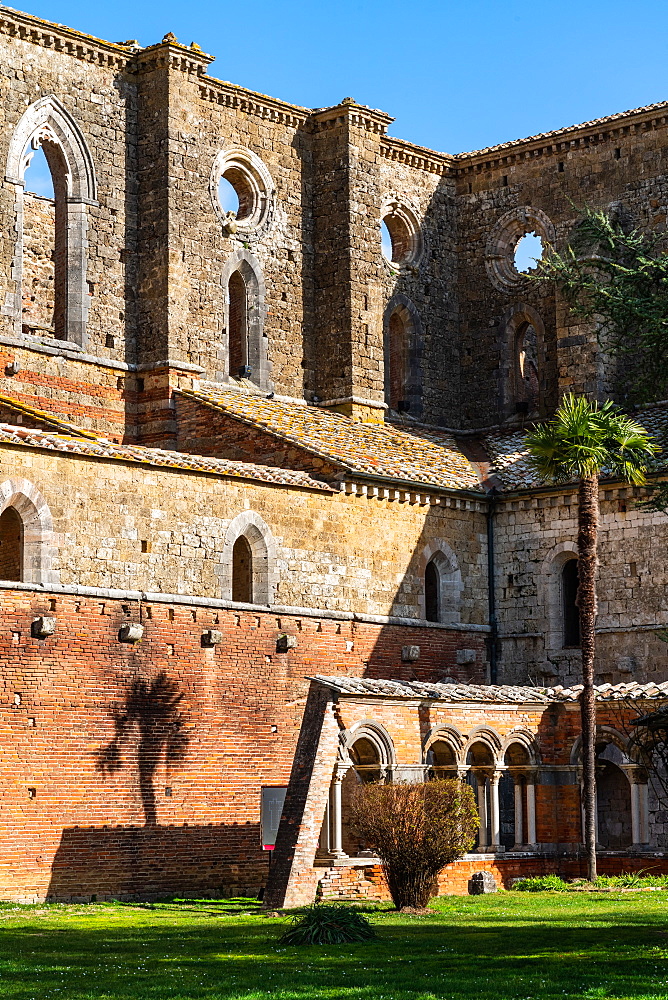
456,76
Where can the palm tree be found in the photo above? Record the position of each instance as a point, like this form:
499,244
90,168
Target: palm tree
583,441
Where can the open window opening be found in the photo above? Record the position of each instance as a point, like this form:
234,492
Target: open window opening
400,236
570,610
238,325
52,294
480,761
528,252
11,545
235,193
242,571
613,798
526,369
516,799
244,344
44,264
366,759
442,760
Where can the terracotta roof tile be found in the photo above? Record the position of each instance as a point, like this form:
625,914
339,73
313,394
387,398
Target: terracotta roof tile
499,693
101,448
407,455
510,458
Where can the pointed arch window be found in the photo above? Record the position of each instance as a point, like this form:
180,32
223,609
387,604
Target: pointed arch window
244,347
242,571
526,369
403,347
237,326
432,593
11,545
441,584
62,312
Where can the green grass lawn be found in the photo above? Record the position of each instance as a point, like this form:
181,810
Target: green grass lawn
509,946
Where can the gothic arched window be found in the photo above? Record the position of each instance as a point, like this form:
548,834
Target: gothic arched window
242,571
11,545
432,593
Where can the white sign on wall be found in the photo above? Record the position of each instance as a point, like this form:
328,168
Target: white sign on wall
270,814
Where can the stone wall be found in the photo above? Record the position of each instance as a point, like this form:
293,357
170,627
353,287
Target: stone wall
151,122
534,536
146,527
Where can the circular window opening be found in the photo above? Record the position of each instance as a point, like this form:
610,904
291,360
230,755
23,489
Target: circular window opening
241,190
528,252
385,241
228,197
234,185
396,239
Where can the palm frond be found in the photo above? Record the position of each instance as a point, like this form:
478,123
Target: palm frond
585,439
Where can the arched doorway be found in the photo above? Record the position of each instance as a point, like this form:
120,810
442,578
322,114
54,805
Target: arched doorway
613,799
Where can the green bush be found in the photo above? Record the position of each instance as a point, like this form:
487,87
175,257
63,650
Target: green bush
540,883
633,880
627,880
328,924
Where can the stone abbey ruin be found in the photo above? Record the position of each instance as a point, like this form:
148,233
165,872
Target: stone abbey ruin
267,524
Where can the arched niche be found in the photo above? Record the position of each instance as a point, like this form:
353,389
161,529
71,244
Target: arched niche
441,584
255,557
35,560
47,124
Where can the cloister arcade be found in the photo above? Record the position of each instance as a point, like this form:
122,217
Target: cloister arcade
504,773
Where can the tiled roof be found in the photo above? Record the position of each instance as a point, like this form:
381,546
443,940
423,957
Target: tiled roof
100,448
510,458
406,455
42,417
499,693
661,106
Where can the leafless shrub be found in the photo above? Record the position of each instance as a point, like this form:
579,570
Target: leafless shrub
416,829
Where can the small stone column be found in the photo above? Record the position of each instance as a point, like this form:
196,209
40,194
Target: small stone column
519,812
639,807
335,805
495,832
531,810
495,824
482,811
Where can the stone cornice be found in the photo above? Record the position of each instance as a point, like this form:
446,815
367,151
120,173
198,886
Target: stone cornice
174,56
370,119
581,136
59,38
416,156
230,96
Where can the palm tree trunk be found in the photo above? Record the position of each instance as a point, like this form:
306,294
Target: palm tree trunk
588,518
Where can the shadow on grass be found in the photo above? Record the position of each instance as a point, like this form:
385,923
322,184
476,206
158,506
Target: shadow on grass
492,951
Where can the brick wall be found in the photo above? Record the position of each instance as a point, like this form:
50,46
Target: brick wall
132,770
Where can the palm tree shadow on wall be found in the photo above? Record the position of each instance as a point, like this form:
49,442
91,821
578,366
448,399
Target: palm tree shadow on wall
151,719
